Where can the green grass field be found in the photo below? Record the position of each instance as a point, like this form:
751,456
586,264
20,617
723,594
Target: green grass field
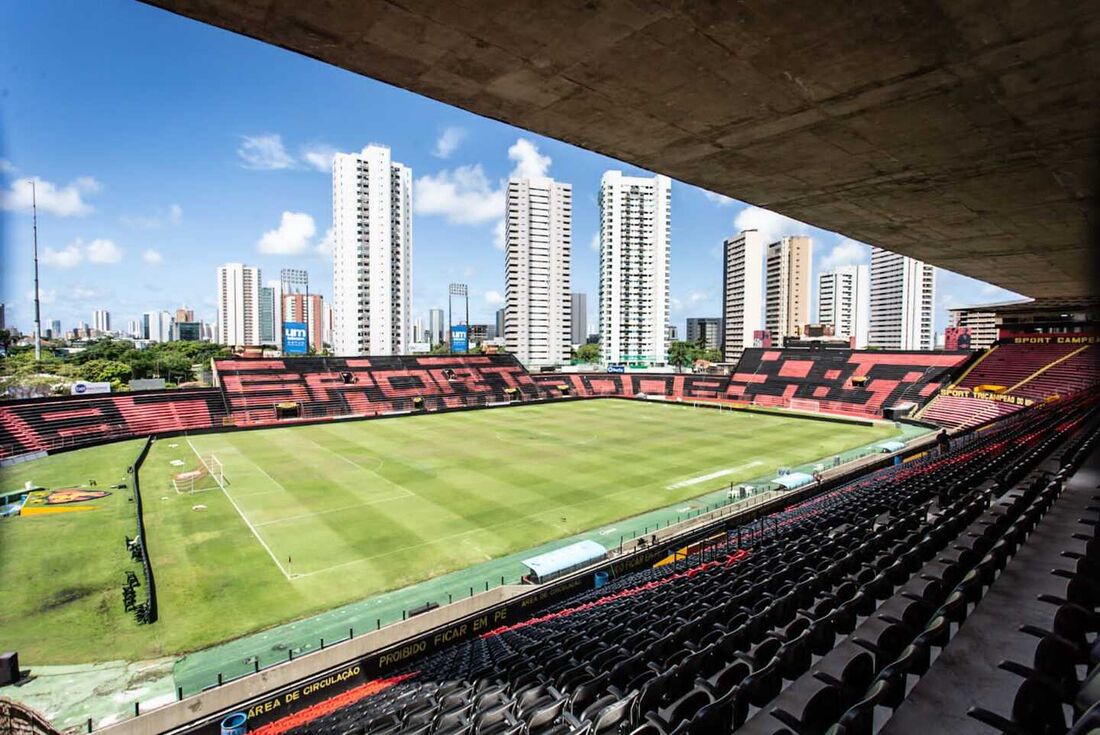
316,516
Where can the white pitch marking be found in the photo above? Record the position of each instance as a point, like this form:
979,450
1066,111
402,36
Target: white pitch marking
245,518
711,476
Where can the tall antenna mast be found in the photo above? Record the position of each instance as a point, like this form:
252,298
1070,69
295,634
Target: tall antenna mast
37,307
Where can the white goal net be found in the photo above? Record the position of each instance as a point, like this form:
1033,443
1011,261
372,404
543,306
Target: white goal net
208,475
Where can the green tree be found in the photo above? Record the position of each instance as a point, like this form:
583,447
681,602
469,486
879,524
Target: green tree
587,353
682,353
106,371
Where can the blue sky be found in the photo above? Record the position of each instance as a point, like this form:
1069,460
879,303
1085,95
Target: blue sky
163,148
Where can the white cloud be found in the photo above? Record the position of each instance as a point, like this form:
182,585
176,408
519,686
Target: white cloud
529,162
99,251
319,156
698,297
46,296
594,243
86,293
494,298
771,225
6,166
63,201
264,152
720,199
448,142
291,237
846,252
498,235
152,257
324,247
464,196
140,222
69,257
102,251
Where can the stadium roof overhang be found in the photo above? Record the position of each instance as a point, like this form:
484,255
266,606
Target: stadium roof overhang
947,132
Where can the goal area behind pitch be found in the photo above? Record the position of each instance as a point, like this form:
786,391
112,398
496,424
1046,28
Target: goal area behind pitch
209,475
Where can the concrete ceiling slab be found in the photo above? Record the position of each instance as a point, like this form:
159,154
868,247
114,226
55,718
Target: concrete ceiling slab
964,133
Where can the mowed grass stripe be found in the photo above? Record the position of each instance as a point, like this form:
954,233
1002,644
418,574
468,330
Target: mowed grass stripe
484,484
534,471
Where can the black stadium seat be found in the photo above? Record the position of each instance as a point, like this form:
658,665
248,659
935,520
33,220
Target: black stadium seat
826,619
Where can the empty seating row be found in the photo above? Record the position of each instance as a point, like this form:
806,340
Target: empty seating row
1011,363
38,424
1027,660
331,386
744,634
1024,372
861,382
685,386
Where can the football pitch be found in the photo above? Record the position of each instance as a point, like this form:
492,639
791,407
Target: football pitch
313,517
394,501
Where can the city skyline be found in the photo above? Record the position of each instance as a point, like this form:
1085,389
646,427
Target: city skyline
115,233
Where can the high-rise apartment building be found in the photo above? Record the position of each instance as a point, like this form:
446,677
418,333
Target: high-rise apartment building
742,292
372,253
538,236
981,321
707,329
578,315
183,314
156,326
843,300
101,321
500,315
271,307
134,329
436,326
635,244
787,289
238,305
307,309
903,297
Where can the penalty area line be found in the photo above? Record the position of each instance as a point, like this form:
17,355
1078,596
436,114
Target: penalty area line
248,522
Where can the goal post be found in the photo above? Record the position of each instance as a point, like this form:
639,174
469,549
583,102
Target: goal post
208,475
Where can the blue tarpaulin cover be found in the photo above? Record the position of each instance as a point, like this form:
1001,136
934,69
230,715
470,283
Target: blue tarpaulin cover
567,557
891,446
793,480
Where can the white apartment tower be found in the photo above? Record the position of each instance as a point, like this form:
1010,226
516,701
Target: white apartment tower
843,300
101,321
238,305
538,237
635,224
787,304
372,253
742,292
903,297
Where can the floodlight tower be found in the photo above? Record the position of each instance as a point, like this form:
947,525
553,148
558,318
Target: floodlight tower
460,290
37,307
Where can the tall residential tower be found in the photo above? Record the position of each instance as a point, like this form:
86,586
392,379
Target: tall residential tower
787,306
742,292
372,253
635,224
238,305
903,297
843,300
538,242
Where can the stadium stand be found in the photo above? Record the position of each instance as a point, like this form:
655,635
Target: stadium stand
46,424
336,386
1013,375
822,616
630,385
839,380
